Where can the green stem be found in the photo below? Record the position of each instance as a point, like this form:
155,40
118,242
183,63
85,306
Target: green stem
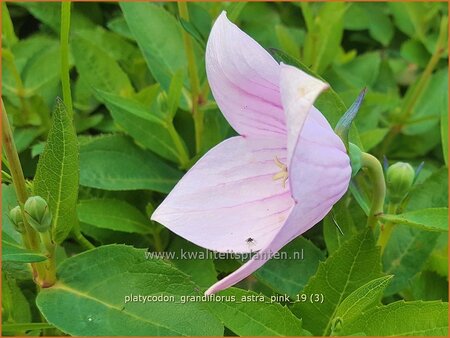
65,68
376,175
183,155
386,229
197,114
413,97
50,267
30,237
83,241
157,241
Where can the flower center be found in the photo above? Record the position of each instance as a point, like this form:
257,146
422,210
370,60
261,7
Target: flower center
282,174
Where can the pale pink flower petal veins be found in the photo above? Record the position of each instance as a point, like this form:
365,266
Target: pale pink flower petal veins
229,196
244,80
278,179
319,174
298,93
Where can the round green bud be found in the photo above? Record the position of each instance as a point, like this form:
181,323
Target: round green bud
37,213
399,179
15,215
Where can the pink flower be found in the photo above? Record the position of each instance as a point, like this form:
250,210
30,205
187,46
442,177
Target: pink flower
281,176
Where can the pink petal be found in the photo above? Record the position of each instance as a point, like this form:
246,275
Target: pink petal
298,93
319,172
298,222
244,80
230,196
319,176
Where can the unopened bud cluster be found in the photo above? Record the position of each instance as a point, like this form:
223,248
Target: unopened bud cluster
37,213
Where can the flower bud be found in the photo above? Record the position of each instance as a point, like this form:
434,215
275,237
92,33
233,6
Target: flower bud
400,178
37,213
15,215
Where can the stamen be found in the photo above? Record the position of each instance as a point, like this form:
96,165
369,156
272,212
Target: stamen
283,174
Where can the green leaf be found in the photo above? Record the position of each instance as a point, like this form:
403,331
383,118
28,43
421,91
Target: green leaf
367,296
401,319
287,41
438,260
380,24
355,263
119,25
9,201
235,9
57,175
356,17
50,14
428,285
92,291
23,137
338,220
431,104
114,162
444,129
413,19
283,275
114,45
158,35
248,313
98,68
114,215
9,36
216,129
174,94
194,32
406,254
432,219
415,52
15,306
42,74
148,128
12,329
432,193
193,261
373,137
323,40
360,72
12,251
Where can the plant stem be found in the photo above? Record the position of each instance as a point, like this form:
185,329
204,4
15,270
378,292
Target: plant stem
375,172
386,229
85,244
413,97
50,267
157,241
65,68
30,237
183,155
197,114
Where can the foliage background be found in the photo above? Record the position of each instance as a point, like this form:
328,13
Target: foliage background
132,103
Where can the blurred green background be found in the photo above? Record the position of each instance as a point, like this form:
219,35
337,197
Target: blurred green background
133,97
